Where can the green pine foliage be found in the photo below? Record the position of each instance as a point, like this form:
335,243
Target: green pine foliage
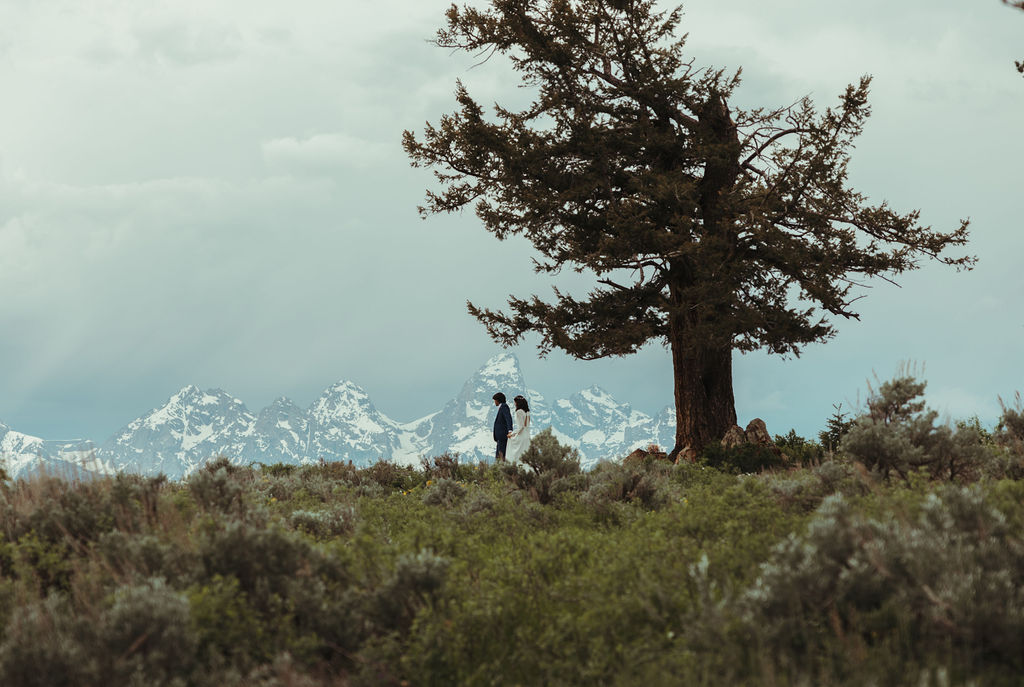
825,570
798,449
837,426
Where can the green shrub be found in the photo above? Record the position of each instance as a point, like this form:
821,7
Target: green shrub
276,469
898,436
336,471
479,501
416,580
1010,430
836,427
267,561
136,500
390,475
639,573
144,637
46,565
444,466
142,556
224,464
227,628
799,450
444,492
148,634
328,523
545,454
645,484
940,587
57,510
220,487
1009,438
550,469
742,459
45,646
805,489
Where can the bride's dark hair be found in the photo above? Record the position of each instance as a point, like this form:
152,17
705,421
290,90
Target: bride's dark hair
521,404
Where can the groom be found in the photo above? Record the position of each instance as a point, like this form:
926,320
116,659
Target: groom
502,426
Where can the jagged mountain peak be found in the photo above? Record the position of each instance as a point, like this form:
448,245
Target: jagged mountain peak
185,392
598,399
344,385
595,393
345,389
281,406
342,400
281,402
500,373
345,408
500,365
502,362
194,396
191,400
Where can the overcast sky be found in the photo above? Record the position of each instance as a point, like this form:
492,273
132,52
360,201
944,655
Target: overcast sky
214,192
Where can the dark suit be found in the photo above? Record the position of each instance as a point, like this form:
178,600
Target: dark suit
502,426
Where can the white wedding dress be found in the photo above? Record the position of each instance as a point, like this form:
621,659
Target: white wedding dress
520,439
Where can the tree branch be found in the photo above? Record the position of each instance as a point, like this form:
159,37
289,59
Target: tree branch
772,139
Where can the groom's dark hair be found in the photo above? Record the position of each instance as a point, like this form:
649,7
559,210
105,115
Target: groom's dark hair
499,397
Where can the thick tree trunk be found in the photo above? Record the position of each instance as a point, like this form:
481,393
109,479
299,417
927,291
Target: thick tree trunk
702,364
705,405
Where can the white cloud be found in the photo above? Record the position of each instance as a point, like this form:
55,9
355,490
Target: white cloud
325,153
188,45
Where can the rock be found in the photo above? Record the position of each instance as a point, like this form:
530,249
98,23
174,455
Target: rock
636,456
734,436
640,455
687,455
757,433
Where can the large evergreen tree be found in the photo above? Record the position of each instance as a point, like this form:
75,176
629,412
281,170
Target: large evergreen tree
710,228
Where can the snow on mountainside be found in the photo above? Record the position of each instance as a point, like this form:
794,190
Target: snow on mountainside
22,455
281,434
343,424
178,437
465,424
346,426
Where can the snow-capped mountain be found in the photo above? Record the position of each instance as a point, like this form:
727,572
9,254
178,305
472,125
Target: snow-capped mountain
24,455
192,427
346,426
343,424
281,434
464,425
601,426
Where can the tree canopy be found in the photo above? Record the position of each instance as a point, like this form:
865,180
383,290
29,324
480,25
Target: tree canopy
708,227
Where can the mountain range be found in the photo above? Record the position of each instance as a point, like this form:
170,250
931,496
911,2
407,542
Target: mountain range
341,424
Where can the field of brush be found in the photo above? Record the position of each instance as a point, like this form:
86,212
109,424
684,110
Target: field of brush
897,566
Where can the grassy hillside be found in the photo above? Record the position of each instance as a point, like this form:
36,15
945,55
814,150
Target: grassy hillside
903,568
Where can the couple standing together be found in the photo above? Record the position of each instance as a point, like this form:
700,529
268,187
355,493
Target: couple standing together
511,442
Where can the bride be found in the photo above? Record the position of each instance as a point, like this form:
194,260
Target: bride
519,440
